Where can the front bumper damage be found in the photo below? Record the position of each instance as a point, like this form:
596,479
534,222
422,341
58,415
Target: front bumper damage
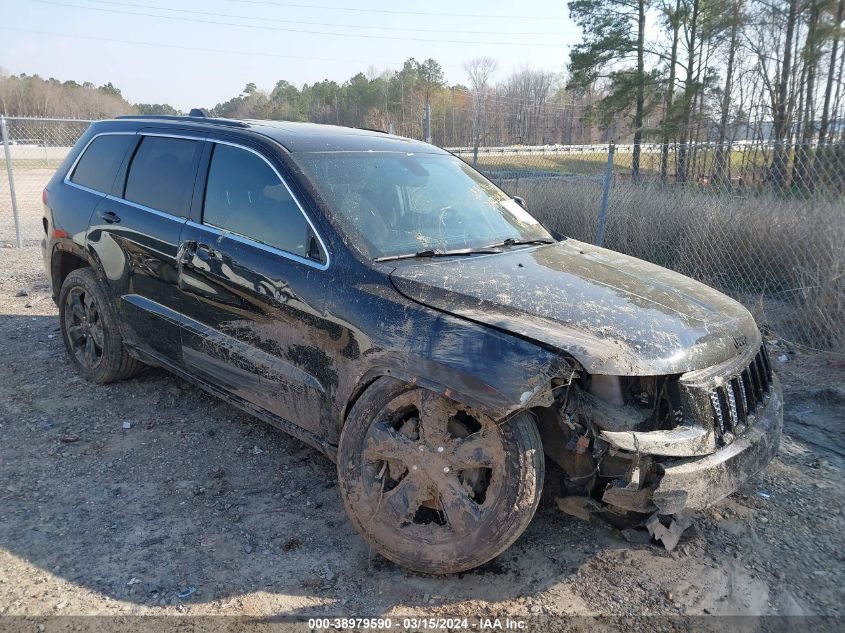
696,483
684,486
662,492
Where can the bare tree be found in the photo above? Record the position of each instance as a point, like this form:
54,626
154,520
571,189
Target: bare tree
479,71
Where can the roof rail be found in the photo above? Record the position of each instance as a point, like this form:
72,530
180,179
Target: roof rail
372,129
192,119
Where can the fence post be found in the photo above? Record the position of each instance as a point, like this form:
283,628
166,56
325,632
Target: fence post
605,195
5,136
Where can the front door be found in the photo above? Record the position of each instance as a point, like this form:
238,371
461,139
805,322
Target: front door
250,267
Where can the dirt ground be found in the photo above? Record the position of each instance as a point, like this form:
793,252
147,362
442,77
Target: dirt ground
97,518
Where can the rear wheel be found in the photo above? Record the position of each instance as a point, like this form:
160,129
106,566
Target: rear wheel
90,330
434,485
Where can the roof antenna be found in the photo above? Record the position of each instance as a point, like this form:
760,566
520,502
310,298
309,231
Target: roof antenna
199,113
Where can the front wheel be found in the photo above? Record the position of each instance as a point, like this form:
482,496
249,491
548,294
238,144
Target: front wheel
434,485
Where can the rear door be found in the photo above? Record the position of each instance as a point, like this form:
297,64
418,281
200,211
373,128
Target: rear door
135,234
251,263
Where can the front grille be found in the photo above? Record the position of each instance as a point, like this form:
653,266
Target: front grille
735,402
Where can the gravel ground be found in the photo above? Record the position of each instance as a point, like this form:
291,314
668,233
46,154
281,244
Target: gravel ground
97,518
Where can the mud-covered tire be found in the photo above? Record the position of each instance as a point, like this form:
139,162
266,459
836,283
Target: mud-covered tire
467,516
90,330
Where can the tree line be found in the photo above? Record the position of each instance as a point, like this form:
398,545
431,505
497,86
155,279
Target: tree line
719,71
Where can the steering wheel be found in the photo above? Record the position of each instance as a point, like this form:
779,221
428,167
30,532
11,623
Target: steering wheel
443,220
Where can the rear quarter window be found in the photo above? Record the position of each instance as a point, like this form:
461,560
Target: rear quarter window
162,173
98,165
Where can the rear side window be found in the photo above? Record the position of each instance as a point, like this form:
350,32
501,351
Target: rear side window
162,172
99,163
244,195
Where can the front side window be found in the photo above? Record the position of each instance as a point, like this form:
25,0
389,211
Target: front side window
162,173
245,196
396,204
98,166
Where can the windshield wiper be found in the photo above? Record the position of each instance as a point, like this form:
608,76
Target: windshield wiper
515,242
434,253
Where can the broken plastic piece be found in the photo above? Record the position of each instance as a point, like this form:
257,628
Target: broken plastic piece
672,534
580,507
629,498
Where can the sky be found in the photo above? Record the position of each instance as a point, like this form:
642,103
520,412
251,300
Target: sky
203,52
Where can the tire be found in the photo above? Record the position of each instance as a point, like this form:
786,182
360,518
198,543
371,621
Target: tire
90,330
433,485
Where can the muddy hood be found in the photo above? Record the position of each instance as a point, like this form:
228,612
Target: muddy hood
615,314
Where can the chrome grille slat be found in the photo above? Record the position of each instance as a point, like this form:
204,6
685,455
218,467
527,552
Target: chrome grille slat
743,398
736,400
768,365
739,401
764,379
748,387
717,409
755,378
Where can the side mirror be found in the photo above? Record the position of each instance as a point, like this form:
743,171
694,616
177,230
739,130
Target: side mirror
520,201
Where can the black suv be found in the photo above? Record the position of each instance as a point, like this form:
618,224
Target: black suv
380,300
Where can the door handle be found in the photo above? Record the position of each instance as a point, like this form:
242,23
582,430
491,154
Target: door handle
190,249
206,252
186,252
110,217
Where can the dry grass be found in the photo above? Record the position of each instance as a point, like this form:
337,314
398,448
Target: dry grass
784,258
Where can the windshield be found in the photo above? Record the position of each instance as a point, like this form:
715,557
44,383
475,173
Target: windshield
398,204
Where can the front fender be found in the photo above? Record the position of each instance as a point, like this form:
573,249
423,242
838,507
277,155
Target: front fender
472,364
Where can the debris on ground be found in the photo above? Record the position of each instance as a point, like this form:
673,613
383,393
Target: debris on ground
672,534
187,592
127,424
640,537
578,506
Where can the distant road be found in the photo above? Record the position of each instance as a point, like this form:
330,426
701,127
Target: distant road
36,152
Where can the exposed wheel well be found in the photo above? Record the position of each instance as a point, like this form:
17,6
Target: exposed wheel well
63,264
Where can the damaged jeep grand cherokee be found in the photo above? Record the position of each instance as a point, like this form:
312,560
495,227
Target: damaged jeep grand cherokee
383,302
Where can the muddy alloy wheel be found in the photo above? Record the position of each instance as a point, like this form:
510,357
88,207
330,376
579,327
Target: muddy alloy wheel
84,327
90,331
434,485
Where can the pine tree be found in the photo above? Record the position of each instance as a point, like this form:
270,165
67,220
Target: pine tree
613,48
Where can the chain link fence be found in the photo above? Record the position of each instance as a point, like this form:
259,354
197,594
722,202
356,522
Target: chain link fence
760,222
32,150
763,223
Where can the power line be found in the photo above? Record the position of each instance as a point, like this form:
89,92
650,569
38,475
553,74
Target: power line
202,49
398,12
262,18
289,30
496,99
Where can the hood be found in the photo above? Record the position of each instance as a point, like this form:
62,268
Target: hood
613,313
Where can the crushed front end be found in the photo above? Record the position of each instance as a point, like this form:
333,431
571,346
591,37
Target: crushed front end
655,449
